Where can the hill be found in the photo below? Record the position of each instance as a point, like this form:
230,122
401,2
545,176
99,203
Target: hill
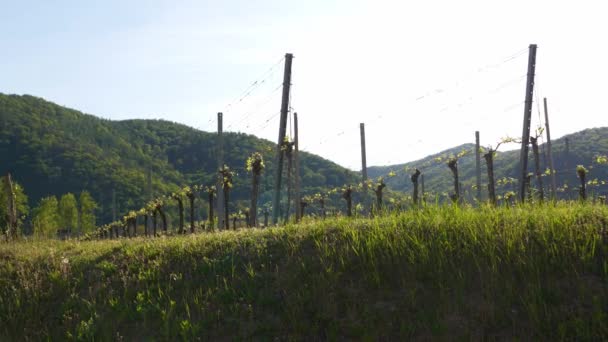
439,273
584,147
52,150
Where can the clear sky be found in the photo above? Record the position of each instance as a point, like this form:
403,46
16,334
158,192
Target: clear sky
422,75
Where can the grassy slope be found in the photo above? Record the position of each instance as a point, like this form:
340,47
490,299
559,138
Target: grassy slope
438,272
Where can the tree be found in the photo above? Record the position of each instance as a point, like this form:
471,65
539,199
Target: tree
18,206
87,212
46,217
68,213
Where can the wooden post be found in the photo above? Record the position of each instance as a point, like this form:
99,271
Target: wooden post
478,166
550,153
525,137
297,198
423,194
220,164
276,201
363,155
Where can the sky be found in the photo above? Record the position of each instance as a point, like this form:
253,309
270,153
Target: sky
422,75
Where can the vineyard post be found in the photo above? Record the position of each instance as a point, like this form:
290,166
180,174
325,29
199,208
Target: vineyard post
539,179
363,162
220,165
414,179
423,194
297,198
289,154
363,156
453,165
550,153
478,166
282,128
525,137
489,157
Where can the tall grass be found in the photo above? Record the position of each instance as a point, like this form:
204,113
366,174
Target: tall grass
437,272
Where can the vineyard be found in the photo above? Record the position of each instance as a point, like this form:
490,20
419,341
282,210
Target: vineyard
268,242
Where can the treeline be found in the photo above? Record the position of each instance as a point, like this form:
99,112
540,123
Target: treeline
52,150
68,216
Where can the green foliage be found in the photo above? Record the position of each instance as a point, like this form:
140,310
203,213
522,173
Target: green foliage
46,219
437,273
53,150
68,213
255,163
87,212
21,203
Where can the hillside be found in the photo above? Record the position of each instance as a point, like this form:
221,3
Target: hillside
584,147
441,273
51,149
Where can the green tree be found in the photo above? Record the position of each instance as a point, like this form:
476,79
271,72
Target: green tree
21,204
87,212
68,213
46,217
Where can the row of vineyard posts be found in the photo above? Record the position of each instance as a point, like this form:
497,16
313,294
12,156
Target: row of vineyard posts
154,210
286,149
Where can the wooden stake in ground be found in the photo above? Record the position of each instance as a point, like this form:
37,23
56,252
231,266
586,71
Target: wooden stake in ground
581,172
422,191
255,165
276,200
525,137
453,165
478,166
226,177
414,179
489,157
380,185
347,194
210,195
296,156
539,180
550,153
289,155
220,164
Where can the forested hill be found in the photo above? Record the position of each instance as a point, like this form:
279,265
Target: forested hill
584,148
52,150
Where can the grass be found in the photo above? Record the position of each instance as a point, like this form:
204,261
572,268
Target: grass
435,273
